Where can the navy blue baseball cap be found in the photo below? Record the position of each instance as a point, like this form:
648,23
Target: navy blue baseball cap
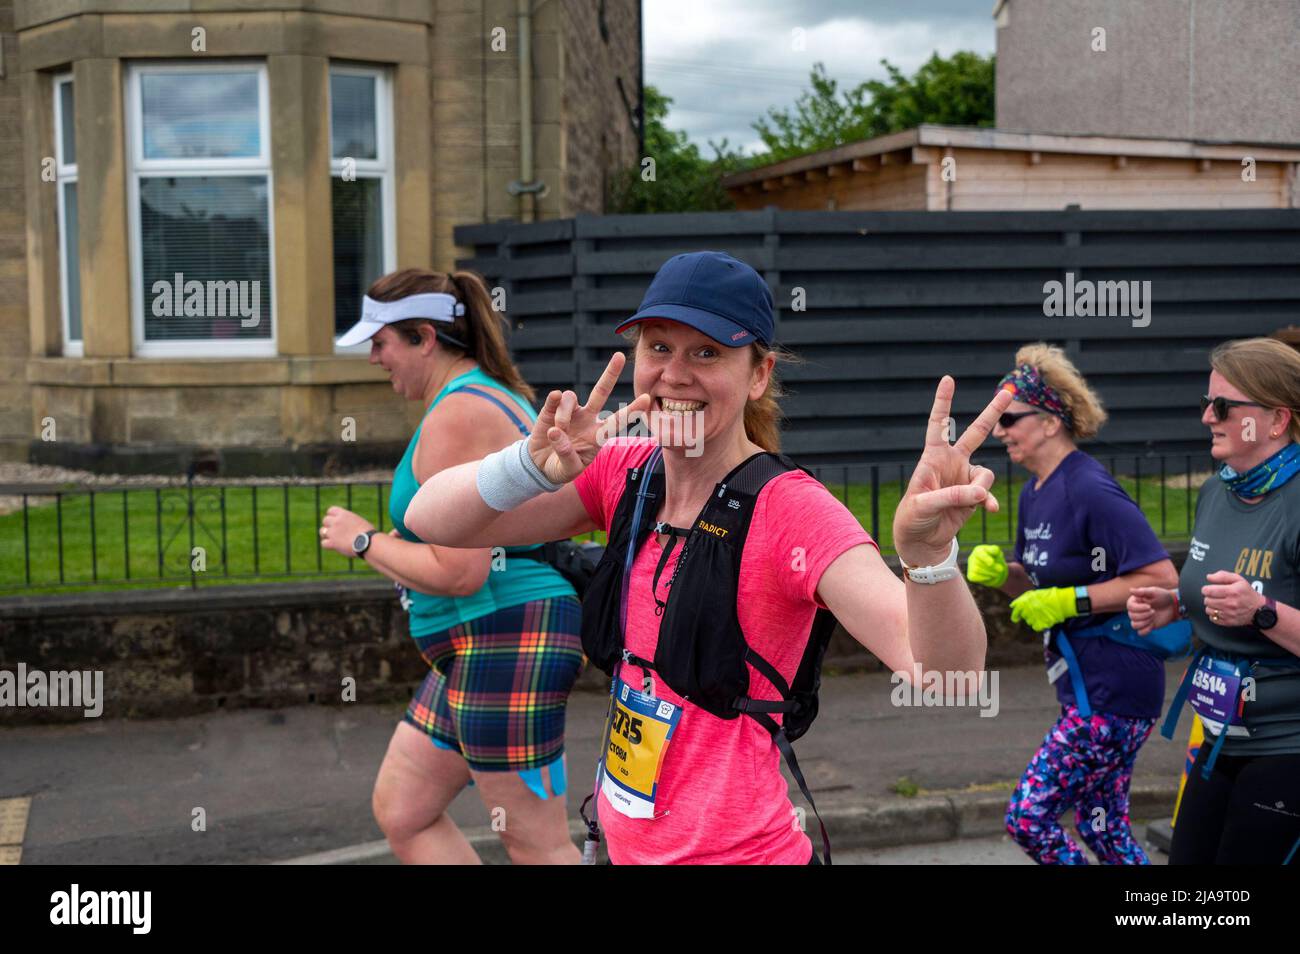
713,293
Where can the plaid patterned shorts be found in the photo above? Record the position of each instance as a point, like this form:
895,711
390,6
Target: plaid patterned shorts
497,685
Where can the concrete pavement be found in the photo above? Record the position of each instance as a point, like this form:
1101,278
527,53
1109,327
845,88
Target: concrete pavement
274,785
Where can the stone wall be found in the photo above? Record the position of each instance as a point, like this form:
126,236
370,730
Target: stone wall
171,653
15,407
271,416
1205,69
580,126
598,134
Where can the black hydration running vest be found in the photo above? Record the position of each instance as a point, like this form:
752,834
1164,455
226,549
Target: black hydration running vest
701,652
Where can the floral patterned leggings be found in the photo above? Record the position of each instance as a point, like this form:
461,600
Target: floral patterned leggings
1087,765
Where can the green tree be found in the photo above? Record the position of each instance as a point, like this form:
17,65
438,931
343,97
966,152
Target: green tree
680,178
954,91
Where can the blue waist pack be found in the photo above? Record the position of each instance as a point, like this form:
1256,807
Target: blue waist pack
1167,642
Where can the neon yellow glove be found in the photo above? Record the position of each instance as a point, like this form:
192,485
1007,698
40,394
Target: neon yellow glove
986,566
1045,608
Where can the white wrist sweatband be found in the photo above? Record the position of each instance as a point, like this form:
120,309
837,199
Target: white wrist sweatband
509,478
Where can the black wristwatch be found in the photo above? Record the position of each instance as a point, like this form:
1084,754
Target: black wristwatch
1082,602
361,543
1266,615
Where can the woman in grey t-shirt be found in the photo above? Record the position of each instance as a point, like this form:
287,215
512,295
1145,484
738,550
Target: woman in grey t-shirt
1240,587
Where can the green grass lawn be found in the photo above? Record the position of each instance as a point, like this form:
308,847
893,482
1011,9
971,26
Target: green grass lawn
144,538
1170,517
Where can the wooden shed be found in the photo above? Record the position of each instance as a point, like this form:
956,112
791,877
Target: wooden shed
953,168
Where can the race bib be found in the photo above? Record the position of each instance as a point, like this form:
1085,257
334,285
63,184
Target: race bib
641,726
1215,696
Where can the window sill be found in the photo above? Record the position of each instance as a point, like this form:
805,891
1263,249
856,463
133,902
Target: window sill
203,372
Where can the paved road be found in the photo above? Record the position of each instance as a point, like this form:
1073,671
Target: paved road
280,784
993,850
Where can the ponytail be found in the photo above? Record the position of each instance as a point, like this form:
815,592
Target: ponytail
763,416
480,329
485,333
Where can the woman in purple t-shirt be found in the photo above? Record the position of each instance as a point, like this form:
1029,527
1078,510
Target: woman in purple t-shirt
1081,546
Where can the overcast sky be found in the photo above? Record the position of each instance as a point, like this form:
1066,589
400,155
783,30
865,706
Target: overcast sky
724,62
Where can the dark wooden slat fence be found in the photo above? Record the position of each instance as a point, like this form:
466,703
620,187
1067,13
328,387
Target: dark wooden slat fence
893,300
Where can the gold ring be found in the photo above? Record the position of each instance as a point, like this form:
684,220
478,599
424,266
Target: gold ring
1215,616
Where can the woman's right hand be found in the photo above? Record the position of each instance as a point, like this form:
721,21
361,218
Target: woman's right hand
1151,607
567,435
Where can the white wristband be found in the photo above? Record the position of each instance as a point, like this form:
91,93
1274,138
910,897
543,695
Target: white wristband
509,478
946,570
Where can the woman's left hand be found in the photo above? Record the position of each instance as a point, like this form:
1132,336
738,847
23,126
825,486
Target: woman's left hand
1044,608
945,488
1230,600
340,527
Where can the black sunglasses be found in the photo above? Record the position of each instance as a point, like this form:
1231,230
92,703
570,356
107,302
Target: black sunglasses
1008,420
1221,405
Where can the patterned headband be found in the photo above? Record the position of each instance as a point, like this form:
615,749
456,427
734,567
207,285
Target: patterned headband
1026,384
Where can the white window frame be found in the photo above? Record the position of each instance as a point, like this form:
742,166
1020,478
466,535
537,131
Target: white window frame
65,172
138,166
381,167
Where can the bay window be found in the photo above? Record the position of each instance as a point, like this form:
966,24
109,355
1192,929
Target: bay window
199,209
65,160
361,187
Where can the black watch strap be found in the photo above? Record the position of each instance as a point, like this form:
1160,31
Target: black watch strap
369,535
1266,616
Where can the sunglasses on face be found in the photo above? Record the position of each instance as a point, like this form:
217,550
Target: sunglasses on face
1007,419
1221,405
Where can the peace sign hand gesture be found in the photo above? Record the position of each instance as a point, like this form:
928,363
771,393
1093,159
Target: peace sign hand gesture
945,488
567,435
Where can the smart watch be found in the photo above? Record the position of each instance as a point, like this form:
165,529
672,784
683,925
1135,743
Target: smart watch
1082,602
1266,615
947,570
361,543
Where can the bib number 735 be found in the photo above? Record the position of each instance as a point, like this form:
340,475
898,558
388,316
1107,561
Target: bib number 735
627,725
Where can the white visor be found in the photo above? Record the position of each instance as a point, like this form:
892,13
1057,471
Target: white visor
436,306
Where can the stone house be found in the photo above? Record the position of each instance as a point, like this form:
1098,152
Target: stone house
198,192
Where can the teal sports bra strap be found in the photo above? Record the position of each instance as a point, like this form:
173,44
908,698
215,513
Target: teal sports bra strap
516,418
524,428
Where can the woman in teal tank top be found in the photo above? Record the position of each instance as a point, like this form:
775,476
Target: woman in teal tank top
498,628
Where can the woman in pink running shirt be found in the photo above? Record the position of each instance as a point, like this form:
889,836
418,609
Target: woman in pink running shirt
703,370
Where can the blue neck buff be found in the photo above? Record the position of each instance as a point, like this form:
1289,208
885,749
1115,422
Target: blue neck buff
1266,475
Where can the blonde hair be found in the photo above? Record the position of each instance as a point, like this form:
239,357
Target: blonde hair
1064,378
1264,369
762,416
